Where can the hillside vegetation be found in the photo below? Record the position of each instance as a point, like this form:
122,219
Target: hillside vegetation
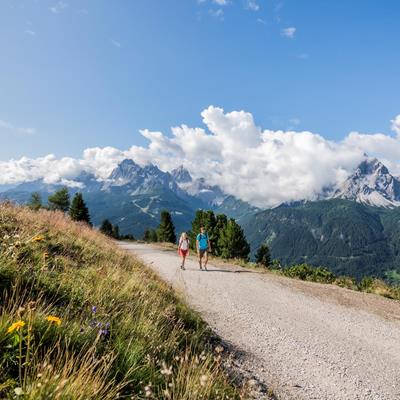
347,237
81,319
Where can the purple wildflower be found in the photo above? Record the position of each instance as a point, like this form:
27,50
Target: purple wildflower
94,309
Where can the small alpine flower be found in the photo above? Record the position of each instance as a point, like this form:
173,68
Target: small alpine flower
53,319
38,238
16,326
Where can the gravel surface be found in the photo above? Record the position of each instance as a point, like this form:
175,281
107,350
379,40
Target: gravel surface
306,340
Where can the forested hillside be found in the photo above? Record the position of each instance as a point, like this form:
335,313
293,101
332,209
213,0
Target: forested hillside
348,237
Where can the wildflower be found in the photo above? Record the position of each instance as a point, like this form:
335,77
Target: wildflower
148,390
219,349
166,370
38,238
203,380
55,320
94,309
18,391
16,326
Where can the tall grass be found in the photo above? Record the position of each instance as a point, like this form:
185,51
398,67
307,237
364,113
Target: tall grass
93,322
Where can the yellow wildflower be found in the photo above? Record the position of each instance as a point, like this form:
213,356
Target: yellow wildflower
16,326
38,238
52,318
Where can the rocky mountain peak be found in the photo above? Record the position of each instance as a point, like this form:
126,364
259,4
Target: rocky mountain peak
372,184
181,175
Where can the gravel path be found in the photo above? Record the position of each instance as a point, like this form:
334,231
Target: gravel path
308,341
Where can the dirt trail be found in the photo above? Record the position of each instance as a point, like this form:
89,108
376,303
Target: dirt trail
308,341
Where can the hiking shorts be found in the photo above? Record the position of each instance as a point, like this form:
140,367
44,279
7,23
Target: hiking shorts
202,252
183,253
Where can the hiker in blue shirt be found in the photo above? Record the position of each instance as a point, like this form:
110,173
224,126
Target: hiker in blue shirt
203,247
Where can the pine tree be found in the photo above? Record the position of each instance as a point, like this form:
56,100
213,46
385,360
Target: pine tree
150,235
78,210
106,228
233,243
220,226
146,235
263,256
59,200
166,229
35,202
153,236
115,232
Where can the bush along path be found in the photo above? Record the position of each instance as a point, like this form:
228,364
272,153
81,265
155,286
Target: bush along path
81,319
306,340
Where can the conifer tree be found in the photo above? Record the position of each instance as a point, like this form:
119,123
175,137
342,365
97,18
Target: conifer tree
146,235
220,226
35,202
115,232
166,229
59,200
106,228
78,210
232,242
150,235
263,256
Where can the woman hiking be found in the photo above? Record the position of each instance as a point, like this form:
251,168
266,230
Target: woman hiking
183,248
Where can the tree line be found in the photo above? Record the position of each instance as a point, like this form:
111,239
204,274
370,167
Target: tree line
60,200
226,236
76,209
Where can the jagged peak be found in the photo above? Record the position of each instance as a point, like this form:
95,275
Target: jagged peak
181,175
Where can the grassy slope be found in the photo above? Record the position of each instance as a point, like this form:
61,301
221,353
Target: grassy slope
142,341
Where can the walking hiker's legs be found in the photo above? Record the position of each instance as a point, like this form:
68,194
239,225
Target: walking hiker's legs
206,259
200,257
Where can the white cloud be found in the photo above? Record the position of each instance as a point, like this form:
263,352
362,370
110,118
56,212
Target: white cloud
252,5
221,2
58,7
396,125
289,32
6,126
262,166
30,32
115,43
219,13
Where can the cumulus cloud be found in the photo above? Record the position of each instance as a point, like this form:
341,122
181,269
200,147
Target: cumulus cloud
396,125
262,166
58,7
289,32
252,5
6,126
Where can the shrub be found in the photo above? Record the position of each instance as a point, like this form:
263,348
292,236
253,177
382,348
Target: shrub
306,272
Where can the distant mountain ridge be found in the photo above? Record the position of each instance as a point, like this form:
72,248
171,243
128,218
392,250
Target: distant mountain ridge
133,196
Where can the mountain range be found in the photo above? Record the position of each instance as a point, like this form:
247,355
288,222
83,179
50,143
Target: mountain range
133,196
352,229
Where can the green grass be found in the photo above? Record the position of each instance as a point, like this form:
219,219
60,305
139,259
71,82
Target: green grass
140,341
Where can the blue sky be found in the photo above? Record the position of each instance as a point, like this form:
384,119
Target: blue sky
79,74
